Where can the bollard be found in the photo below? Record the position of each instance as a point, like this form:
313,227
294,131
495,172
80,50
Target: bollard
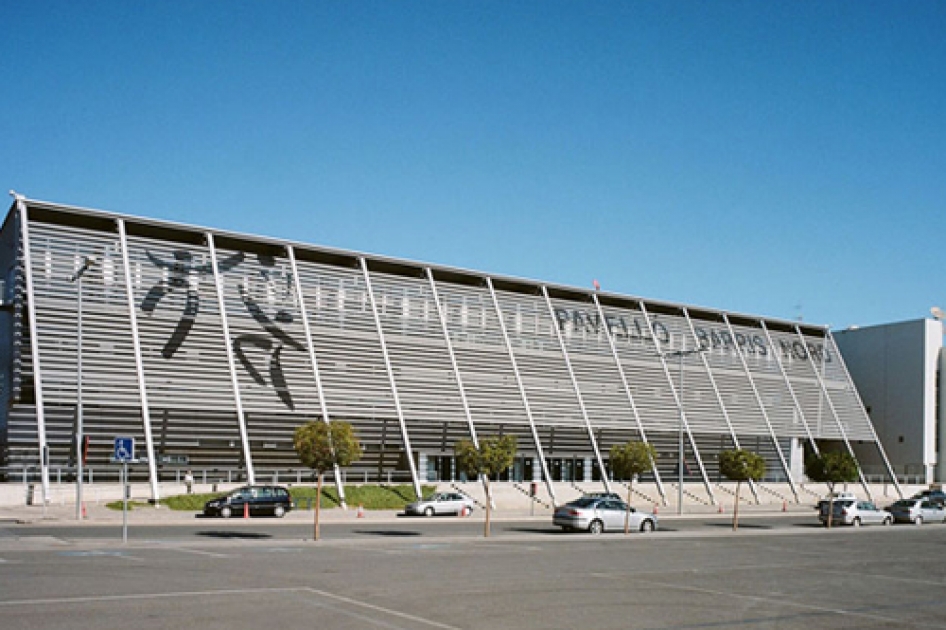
246,510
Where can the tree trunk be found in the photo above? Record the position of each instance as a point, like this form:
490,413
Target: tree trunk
735,510
318,505
489,502
627,514
830,503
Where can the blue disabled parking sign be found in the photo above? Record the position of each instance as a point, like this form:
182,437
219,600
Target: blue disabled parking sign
124,449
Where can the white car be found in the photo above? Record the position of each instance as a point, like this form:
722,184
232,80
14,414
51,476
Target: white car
854,512
440,503
917,511
596,515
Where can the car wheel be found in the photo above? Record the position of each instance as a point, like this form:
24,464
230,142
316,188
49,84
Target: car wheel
225,512
647,526
429,511
856,522
888,521
596,527
918,521
279,511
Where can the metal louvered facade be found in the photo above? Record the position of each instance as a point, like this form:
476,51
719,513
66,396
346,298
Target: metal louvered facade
215,346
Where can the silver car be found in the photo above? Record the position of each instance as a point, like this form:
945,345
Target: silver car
917,511
440,503
854,512
596,515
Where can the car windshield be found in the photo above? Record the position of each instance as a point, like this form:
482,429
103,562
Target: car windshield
904,503
584,502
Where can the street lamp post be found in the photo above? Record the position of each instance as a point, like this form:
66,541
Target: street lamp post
80,438
680,444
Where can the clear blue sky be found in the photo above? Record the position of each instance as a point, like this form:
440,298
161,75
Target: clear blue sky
785,159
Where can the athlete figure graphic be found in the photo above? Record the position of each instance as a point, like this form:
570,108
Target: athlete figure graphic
274,344
180,271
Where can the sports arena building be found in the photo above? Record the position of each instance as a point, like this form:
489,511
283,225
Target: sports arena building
210,347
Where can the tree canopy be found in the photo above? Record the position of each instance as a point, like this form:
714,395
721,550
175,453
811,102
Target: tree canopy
632,459
831,467
321,445
492,457
741,465
627,462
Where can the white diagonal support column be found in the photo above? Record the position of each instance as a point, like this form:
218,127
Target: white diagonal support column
455,366
678,398
21,207
834,413
791,390
847,375
578,395
228,346
453,357
390,370
522,392
139,362
323,403
630,396
719,395
765,414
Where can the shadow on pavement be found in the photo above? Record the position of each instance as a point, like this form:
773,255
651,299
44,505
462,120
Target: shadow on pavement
728,525
383,532
550,531
244,535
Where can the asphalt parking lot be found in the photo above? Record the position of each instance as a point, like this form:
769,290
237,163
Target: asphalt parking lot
802,577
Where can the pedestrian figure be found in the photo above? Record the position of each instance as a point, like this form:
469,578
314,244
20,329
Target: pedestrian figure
188,481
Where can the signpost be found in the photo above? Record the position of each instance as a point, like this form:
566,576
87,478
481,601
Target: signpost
124,453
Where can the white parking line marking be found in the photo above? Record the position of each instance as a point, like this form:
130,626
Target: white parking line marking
140,596
249,591
199,552
381,609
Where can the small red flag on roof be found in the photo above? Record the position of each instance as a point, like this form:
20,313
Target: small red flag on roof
597,285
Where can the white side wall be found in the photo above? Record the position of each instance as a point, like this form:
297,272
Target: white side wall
894,367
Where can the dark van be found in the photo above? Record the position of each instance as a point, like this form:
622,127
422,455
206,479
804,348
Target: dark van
260,500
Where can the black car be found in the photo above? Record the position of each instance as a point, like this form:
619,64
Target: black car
254,500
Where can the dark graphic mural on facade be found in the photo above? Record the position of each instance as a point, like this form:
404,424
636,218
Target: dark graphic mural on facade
276,340
184,276
179,276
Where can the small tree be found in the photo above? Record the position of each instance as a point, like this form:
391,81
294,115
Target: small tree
492,457
322,446
831,468
740,465
628,461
